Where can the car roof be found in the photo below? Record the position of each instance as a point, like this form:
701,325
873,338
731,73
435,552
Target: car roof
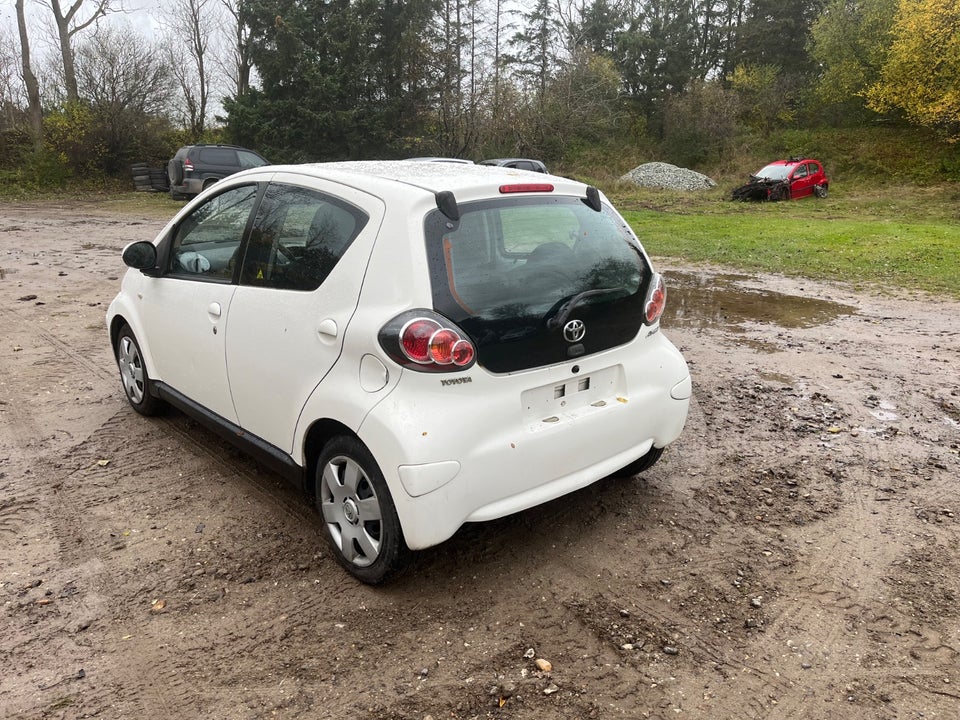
209,145
792,161
433,177
440,159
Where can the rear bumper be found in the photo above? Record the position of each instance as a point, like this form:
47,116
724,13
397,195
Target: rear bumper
499,444
190,186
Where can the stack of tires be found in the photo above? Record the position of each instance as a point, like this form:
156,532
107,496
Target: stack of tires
148,179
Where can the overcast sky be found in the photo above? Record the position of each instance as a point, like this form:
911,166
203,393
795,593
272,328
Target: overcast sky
140,14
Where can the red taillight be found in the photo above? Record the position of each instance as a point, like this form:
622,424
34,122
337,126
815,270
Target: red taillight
441,346
415,339
656,300
463,353
526,187
187,166
427,342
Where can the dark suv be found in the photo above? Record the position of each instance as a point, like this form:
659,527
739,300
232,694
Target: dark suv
197,167
517,164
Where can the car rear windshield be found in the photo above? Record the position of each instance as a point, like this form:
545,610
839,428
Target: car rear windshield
513,272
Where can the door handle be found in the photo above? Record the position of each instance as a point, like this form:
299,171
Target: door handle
213,309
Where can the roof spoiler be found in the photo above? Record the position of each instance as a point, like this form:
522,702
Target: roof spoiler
447,204
593,198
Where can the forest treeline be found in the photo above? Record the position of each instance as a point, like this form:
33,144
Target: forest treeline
84,94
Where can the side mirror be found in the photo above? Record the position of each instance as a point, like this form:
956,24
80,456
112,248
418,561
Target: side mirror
140,255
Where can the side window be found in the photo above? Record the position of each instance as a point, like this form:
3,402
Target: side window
249,160
800,172
813,168
206,241
298,238
218,156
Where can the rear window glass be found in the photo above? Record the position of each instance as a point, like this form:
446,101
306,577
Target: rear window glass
522,257
513,272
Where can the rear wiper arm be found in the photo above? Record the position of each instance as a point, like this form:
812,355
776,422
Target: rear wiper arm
563,312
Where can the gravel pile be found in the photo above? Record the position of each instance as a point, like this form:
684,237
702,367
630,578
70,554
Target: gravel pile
667,176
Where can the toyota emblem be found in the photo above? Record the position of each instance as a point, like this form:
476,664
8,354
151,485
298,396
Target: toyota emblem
574,331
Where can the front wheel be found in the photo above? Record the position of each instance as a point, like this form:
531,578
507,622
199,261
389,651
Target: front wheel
133,374
359,516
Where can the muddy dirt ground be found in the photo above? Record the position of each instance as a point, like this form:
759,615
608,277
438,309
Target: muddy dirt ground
795,555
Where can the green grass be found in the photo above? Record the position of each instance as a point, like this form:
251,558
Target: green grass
151,205
903,237
891,237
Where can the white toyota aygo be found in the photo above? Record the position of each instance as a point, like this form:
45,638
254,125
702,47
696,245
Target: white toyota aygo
417,345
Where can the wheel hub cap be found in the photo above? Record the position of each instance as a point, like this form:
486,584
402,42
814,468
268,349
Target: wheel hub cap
350,511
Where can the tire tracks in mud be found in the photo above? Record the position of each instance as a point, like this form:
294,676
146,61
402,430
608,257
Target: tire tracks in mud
153,677
70,495
85,487
79,490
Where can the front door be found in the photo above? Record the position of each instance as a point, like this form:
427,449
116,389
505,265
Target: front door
188,306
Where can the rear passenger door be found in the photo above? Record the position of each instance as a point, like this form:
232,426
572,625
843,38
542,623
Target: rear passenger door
299,286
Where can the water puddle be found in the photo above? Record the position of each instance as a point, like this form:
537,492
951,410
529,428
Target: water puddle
698,301
884,411
775,377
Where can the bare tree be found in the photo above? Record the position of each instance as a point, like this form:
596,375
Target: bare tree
11,82
191,24
128,87
119,71
240,64
69,23
34,109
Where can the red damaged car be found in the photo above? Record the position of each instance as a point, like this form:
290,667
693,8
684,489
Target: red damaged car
785,180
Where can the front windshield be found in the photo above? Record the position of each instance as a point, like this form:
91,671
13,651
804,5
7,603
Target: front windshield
773,172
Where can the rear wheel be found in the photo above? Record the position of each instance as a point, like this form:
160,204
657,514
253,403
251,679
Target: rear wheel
359,516
133,374
820,190
641,464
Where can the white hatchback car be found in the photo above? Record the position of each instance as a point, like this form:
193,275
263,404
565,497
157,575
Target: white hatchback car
417,345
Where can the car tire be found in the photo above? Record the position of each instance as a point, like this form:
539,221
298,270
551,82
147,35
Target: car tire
175,172
820,190
134,376
641,464
360,519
